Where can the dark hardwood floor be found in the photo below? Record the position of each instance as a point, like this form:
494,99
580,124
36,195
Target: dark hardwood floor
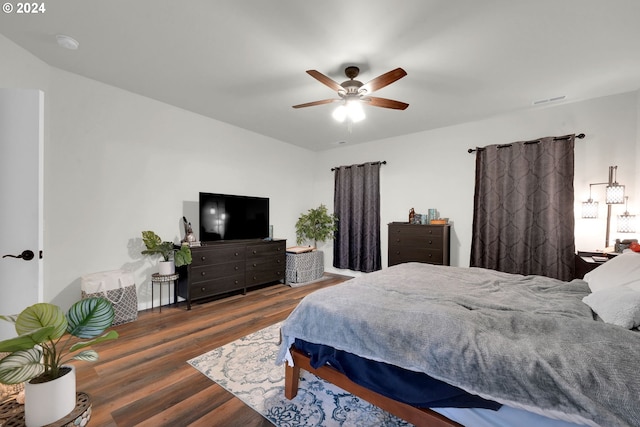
142,378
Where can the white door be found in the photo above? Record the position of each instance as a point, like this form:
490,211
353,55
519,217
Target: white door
21,200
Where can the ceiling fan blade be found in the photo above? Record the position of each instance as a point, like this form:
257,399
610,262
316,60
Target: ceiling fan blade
386,103
325,80
311,104
383,80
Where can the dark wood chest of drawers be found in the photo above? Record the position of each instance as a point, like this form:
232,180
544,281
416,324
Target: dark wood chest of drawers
418,243
229,266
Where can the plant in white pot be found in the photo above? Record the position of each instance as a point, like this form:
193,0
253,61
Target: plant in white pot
171,257
45,343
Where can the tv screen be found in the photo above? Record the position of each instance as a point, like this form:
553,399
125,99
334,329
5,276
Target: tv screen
230,217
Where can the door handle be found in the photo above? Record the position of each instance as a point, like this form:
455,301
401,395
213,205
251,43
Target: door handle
26,255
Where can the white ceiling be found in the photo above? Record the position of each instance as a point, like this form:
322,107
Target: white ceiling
243,61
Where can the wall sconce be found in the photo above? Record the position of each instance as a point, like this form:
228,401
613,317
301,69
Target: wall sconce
626,222
614,194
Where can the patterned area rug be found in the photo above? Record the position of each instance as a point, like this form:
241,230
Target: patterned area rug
247,369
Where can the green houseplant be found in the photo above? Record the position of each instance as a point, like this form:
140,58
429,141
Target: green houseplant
316,225
45,342
155,246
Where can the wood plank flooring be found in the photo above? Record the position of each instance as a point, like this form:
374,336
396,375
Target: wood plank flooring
142,378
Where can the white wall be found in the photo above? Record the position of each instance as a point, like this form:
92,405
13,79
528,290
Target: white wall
117,163
434,170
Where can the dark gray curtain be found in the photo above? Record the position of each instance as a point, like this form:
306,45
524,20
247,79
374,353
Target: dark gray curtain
523,219
356,245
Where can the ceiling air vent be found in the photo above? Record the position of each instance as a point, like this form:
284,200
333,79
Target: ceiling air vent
547,100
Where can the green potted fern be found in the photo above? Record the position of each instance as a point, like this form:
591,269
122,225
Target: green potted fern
46,341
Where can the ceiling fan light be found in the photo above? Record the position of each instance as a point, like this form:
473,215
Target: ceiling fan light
355,111
340,113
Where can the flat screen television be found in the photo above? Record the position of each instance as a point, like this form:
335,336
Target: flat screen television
231,217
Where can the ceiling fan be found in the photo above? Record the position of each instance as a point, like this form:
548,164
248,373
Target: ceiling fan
354,90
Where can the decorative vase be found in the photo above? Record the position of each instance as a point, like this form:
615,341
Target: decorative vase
167,267
45,403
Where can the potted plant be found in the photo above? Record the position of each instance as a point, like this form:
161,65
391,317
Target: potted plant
155,245
316,225
45,343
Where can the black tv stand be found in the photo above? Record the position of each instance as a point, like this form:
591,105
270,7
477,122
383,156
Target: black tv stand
228,266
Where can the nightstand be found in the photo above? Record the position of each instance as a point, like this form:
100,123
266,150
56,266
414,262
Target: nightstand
587,261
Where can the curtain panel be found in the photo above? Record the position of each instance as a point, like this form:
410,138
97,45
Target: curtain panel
356,245
523,219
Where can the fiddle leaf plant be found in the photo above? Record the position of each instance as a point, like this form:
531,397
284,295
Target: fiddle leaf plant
316,225
46,341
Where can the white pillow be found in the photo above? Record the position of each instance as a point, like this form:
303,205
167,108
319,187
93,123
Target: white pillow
622,270
618,306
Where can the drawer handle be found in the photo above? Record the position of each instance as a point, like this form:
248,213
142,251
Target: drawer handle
430,231
398,239
236,254
203,289
278,261
203,273
254,264
431,242
236,268
397,252
236,282
203,258
430,255
254,252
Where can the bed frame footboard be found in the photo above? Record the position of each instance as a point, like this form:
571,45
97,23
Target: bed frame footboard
420,417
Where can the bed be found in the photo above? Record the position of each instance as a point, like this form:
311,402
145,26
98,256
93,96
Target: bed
529,344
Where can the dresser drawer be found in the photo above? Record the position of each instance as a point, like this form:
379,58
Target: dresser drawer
217,255
265,249
418,231
208,272
216,286
262,275
401,255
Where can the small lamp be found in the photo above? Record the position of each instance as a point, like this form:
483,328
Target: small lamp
626,222
590,207
615,191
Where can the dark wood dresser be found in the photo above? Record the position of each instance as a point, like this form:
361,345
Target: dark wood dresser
418,243
229,266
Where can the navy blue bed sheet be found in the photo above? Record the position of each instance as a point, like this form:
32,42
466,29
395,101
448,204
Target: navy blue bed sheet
414,388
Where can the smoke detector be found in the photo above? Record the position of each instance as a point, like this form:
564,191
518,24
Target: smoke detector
67,42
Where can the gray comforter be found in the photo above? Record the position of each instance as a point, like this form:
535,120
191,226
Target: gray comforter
524,341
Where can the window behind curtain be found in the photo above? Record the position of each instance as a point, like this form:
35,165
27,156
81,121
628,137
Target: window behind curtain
523,220
356,245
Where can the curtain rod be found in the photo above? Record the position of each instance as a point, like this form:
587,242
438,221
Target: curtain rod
535,141
383,162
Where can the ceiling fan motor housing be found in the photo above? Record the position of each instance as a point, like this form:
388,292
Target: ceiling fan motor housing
351,86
